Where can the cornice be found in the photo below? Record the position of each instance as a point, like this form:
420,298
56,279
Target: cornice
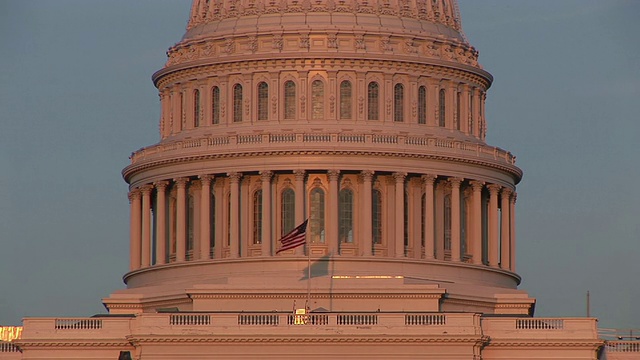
340,62
338,338
317,295
62,343
130,170
546,343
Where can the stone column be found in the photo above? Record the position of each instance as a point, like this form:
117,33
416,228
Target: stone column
399,238
134,230
161,225
205,216
429,211
476,233
234,180
512,234
300,194
181,217
146,225
265,176
333,231
439,227
494,249
366,219
505,256
455,218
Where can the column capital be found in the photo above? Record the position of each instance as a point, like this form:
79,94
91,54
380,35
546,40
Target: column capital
161,185
181,182
333,175
455,182
399,176
514,196
506,192
134,194
206,178
494,189
366,175
428,179
234,177
146,189
266,175
299,174
476,185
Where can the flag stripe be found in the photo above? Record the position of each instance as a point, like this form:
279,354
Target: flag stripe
294,238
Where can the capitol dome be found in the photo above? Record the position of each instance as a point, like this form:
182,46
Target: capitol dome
364,117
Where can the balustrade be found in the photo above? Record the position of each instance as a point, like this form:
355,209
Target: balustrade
7,347
424,143
259,319
78,324
540,324
189,319
425,319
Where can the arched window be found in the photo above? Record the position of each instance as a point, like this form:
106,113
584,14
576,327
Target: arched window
289,100
237,103
345,216
173,212
215,105
398,103
406,221
376,216
196,108
422,215
257,217
317,100
190,226
458,97
288,210
212,224
229,219
345,100
464,216
441,109
316,215
422,105
447,222
373,99
263,101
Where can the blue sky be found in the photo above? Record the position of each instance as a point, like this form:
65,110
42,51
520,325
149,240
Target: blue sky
76,98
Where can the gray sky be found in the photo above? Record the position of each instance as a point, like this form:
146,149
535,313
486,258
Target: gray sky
76,98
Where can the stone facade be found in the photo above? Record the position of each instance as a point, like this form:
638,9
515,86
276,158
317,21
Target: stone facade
367,119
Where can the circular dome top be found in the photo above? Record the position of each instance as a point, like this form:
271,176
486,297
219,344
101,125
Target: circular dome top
415,30
434,17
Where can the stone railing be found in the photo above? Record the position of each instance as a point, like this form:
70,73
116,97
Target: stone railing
540,328
320,324
76,328
623,346
7,347
321,141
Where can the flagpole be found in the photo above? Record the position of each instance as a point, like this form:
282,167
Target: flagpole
308,276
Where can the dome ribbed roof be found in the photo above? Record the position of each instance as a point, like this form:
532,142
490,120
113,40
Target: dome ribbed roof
432,17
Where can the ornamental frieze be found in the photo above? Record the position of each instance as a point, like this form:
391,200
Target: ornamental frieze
419,47
277,65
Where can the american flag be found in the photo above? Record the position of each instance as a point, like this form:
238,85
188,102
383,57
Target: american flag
294,238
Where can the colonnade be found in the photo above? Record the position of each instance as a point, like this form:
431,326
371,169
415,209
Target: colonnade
417,216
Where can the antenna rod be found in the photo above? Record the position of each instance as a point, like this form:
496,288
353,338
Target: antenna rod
588,304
